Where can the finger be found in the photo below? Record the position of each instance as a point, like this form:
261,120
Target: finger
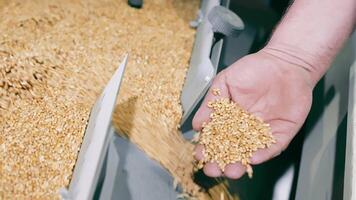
212,170
203,113
234,171
262,155
199,152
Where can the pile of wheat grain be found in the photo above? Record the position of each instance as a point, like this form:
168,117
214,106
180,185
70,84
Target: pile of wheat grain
232,135
56,56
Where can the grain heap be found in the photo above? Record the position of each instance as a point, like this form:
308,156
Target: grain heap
232,135
55,58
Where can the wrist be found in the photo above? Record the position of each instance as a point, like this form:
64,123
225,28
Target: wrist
314,65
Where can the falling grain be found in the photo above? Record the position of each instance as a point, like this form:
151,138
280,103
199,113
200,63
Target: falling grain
55,58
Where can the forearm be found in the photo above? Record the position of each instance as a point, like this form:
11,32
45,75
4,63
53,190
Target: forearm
312,32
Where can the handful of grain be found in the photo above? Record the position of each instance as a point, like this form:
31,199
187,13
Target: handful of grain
232,135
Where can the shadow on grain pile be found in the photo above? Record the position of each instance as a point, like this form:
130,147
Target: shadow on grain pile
80,42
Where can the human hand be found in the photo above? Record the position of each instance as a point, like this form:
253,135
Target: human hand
270,87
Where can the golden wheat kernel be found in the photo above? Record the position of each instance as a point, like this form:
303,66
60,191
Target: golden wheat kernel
249,171
216,91
62,84
232,133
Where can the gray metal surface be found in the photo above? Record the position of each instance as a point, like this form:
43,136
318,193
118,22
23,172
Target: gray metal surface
321,169
106,185
207,50
350,165
132,175
95,143
201,71
225,22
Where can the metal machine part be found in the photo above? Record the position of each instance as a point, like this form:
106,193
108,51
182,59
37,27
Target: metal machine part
118,168
122,171
97,136
135,3
214,19
350,169
136,176
323,173
225,22
110,166
130,174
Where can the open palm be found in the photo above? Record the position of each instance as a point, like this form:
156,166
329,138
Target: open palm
269,87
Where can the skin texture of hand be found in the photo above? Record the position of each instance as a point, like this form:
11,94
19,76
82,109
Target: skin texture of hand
276,83
269,87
